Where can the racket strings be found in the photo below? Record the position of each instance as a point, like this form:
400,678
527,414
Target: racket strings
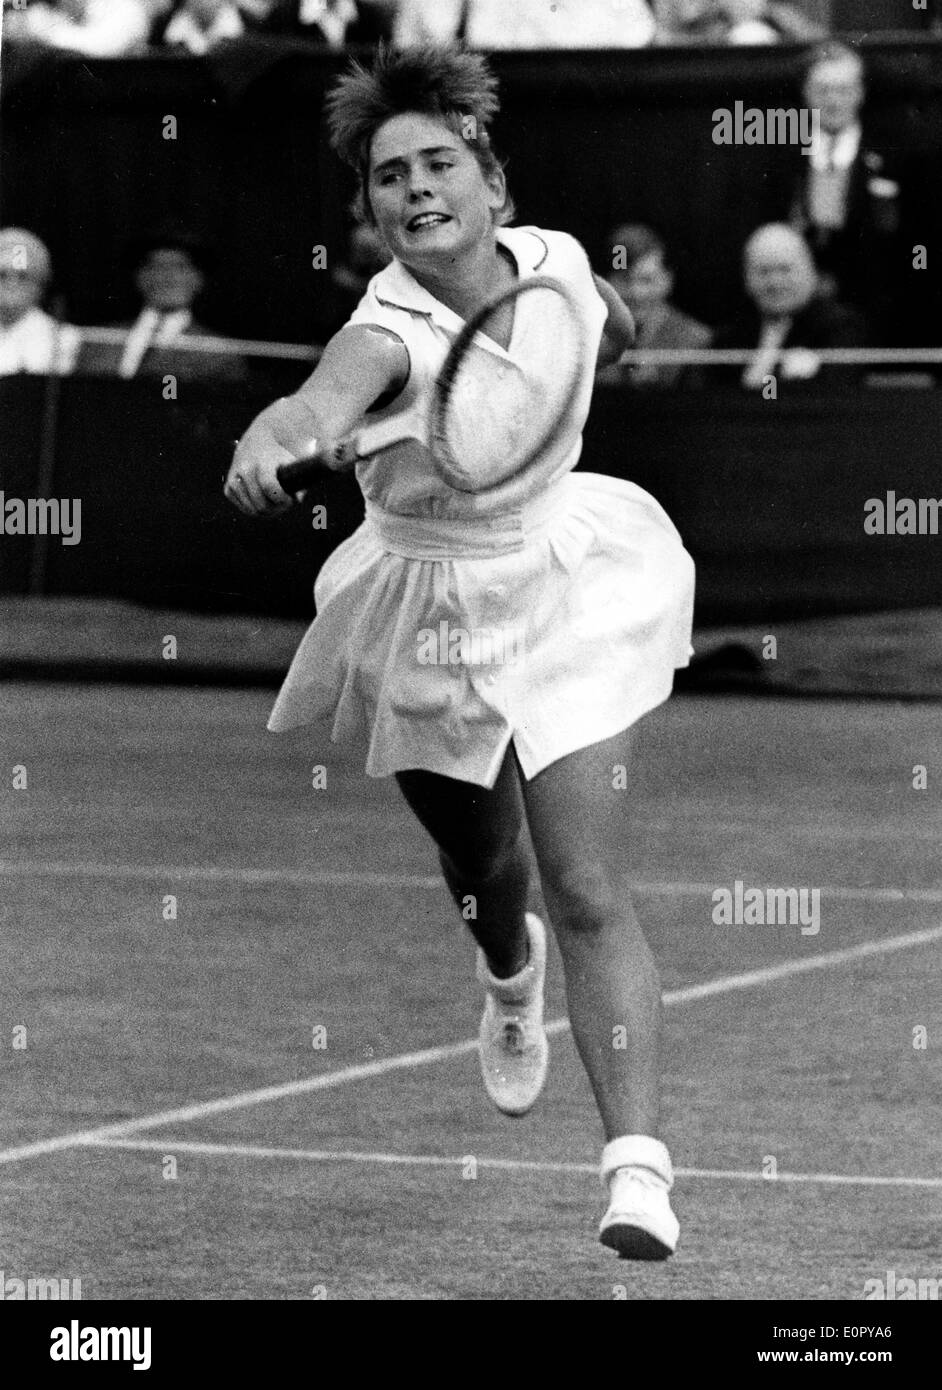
497,413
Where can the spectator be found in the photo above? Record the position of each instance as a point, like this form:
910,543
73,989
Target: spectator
197,25
645,281
746,22
847,196
170,276
497,24
330,23
97,28
30,340
789,317
366,256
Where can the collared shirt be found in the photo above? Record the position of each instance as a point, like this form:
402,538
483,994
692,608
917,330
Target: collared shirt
839,151
36,343
332,20
198,39
771,337
831,158
152,329
402,479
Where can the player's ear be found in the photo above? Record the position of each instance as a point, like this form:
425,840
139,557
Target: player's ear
496,188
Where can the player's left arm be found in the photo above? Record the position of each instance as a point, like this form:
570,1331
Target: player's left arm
619,331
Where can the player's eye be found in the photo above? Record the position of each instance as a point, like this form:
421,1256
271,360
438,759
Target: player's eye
442,164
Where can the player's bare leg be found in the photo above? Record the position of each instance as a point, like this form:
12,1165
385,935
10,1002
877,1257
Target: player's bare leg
480,836
481,848
578,818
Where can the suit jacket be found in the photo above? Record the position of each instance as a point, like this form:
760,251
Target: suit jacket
865,261
675,330
823,324
103,359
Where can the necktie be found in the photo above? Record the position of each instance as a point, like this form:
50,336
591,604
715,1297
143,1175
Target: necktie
139,345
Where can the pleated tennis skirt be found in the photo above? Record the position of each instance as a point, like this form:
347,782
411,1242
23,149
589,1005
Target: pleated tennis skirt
437,642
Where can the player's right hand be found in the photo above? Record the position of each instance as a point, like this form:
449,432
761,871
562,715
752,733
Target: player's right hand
252,481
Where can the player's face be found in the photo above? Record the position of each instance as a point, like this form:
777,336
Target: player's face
168,280
836,90
780,278
430,197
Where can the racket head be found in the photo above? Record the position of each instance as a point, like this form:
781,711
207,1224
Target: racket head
492,415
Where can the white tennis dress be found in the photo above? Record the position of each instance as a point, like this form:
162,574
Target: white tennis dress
550,610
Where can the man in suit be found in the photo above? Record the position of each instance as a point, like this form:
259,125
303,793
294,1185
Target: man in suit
30,339
169,276
847,197
789,318
645,281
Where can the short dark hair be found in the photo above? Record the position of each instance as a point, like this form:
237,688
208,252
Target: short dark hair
448,83
170,239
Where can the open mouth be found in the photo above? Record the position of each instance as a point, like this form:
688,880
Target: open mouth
423,220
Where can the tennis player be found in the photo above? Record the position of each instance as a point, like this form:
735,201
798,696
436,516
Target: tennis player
583,577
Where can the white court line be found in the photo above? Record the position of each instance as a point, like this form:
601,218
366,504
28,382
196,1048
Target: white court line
211,873
306,1085
506,1165
326,878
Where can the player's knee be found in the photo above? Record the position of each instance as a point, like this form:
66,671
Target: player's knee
583,898
480,864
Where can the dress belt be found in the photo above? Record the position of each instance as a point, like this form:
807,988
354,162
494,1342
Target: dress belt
468,537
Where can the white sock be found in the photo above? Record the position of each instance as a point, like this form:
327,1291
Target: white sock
639,1151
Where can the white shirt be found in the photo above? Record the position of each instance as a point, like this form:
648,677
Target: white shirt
332,20
36,343
771,337
152,329
502,24
110,28
396,301
752,33
835,152
183,29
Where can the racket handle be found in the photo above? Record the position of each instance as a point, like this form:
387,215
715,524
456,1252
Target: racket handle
295,476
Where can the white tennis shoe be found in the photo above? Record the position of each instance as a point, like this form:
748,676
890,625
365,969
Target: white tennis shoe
639,1222
513,1042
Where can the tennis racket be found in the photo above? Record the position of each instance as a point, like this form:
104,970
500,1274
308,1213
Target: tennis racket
491,414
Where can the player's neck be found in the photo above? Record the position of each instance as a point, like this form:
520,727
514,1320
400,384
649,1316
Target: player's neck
467,284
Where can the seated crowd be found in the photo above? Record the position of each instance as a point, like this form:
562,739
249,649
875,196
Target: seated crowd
829,272
111,28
